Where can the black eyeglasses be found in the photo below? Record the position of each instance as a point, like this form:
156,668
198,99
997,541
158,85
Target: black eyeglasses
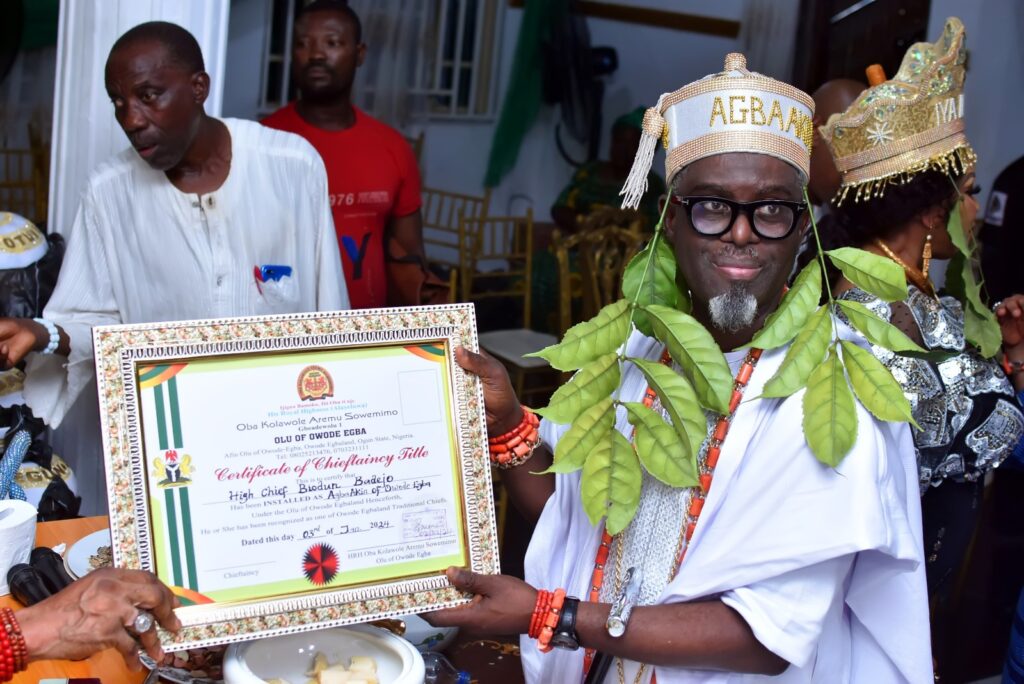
714,216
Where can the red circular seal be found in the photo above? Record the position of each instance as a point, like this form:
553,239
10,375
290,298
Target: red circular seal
320,564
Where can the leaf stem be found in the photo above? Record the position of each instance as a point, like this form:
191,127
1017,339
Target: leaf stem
824,268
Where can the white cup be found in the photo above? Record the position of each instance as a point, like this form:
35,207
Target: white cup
17,536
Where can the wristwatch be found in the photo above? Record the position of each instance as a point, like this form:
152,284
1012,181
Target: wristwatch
565,632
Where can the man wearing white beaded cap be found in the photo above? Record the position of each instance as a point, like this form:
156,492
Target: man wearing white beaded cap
789,567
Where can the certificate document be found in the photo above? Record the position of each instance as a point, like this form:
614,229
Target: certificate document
293,472
284,473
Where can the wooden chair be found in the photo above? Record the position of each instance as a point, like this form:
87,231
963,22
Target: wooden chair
19,185
602,257
497,257
442,211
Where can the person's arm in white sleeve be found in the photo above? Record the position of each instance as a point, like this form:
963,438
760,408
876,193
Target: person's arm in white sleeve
786,613
82,299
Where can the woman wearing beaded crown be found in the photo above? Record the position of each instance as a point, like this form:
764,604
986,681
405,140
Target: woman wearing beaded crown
907,168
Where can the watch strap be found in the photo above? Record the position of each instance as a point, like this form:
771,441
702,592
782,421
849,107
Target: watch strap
566,628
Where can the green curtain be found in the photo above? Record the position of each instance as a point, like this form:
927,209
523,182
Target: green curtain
523,98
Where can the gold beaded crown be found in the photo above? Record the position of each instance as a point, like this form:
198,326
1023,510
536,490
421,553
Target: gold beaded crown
735,110
908,124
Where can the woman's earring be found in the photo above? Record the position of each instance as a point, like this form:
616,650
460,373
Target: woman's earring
926,255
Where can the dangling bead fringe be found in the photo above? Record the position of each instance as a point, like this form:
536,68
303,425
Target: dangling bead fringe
926,254
636,181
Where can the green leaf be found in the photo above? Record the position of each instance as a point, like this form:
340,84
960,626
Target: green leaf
874,274
803,356
796,306
595,381
583,436
955,227
650,278
982,330
693,348
981,327
679,400
830,417
586,341
877,331
874,385
661,452
610,483
955,285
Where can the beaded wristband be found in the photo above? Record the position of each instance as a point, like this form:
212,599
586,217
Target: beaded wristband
12,631
7,659
51,330
516,447
551,619
539,612
1011,367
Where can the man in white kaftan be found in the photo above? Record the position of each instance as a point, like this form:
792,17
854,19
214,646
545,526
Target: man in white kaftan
795,570
200,218
825,565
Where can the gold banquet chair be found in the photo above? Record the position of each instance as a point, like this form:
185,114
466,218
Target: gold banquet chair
497,266
603,255
442,211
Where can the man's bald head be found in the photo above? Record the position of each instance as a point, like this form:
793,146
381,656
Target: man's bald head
180,46
831,98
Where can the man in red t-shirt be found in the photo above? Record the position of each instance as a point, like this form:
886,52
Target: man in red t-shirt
372,174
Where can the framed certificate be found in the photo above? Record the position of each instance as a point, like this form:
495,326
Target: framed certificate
295,472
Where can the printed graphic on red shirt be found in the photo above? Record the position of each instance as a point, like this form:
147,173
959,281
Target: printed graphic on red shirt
372,177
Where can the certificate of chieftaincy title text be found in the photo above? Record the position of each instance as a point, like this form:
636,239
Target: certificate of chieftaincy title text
279,474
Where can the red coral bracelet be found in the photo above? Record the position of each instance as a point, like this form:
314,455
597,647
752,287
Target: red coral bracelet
515,447
13,652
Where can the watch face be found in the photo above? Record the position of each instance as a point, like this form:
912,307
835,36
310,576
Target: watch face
563,640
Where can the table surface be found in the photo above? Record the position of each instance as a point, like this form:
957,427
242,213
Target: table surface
106,665
493,660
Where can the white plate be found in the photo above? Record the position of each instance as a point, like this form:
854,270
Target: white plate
76,560
291,656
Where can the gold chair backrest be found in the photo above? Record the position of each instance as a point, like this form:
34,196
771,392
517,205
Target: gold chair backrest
603,217
602,257
442,211
497,259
